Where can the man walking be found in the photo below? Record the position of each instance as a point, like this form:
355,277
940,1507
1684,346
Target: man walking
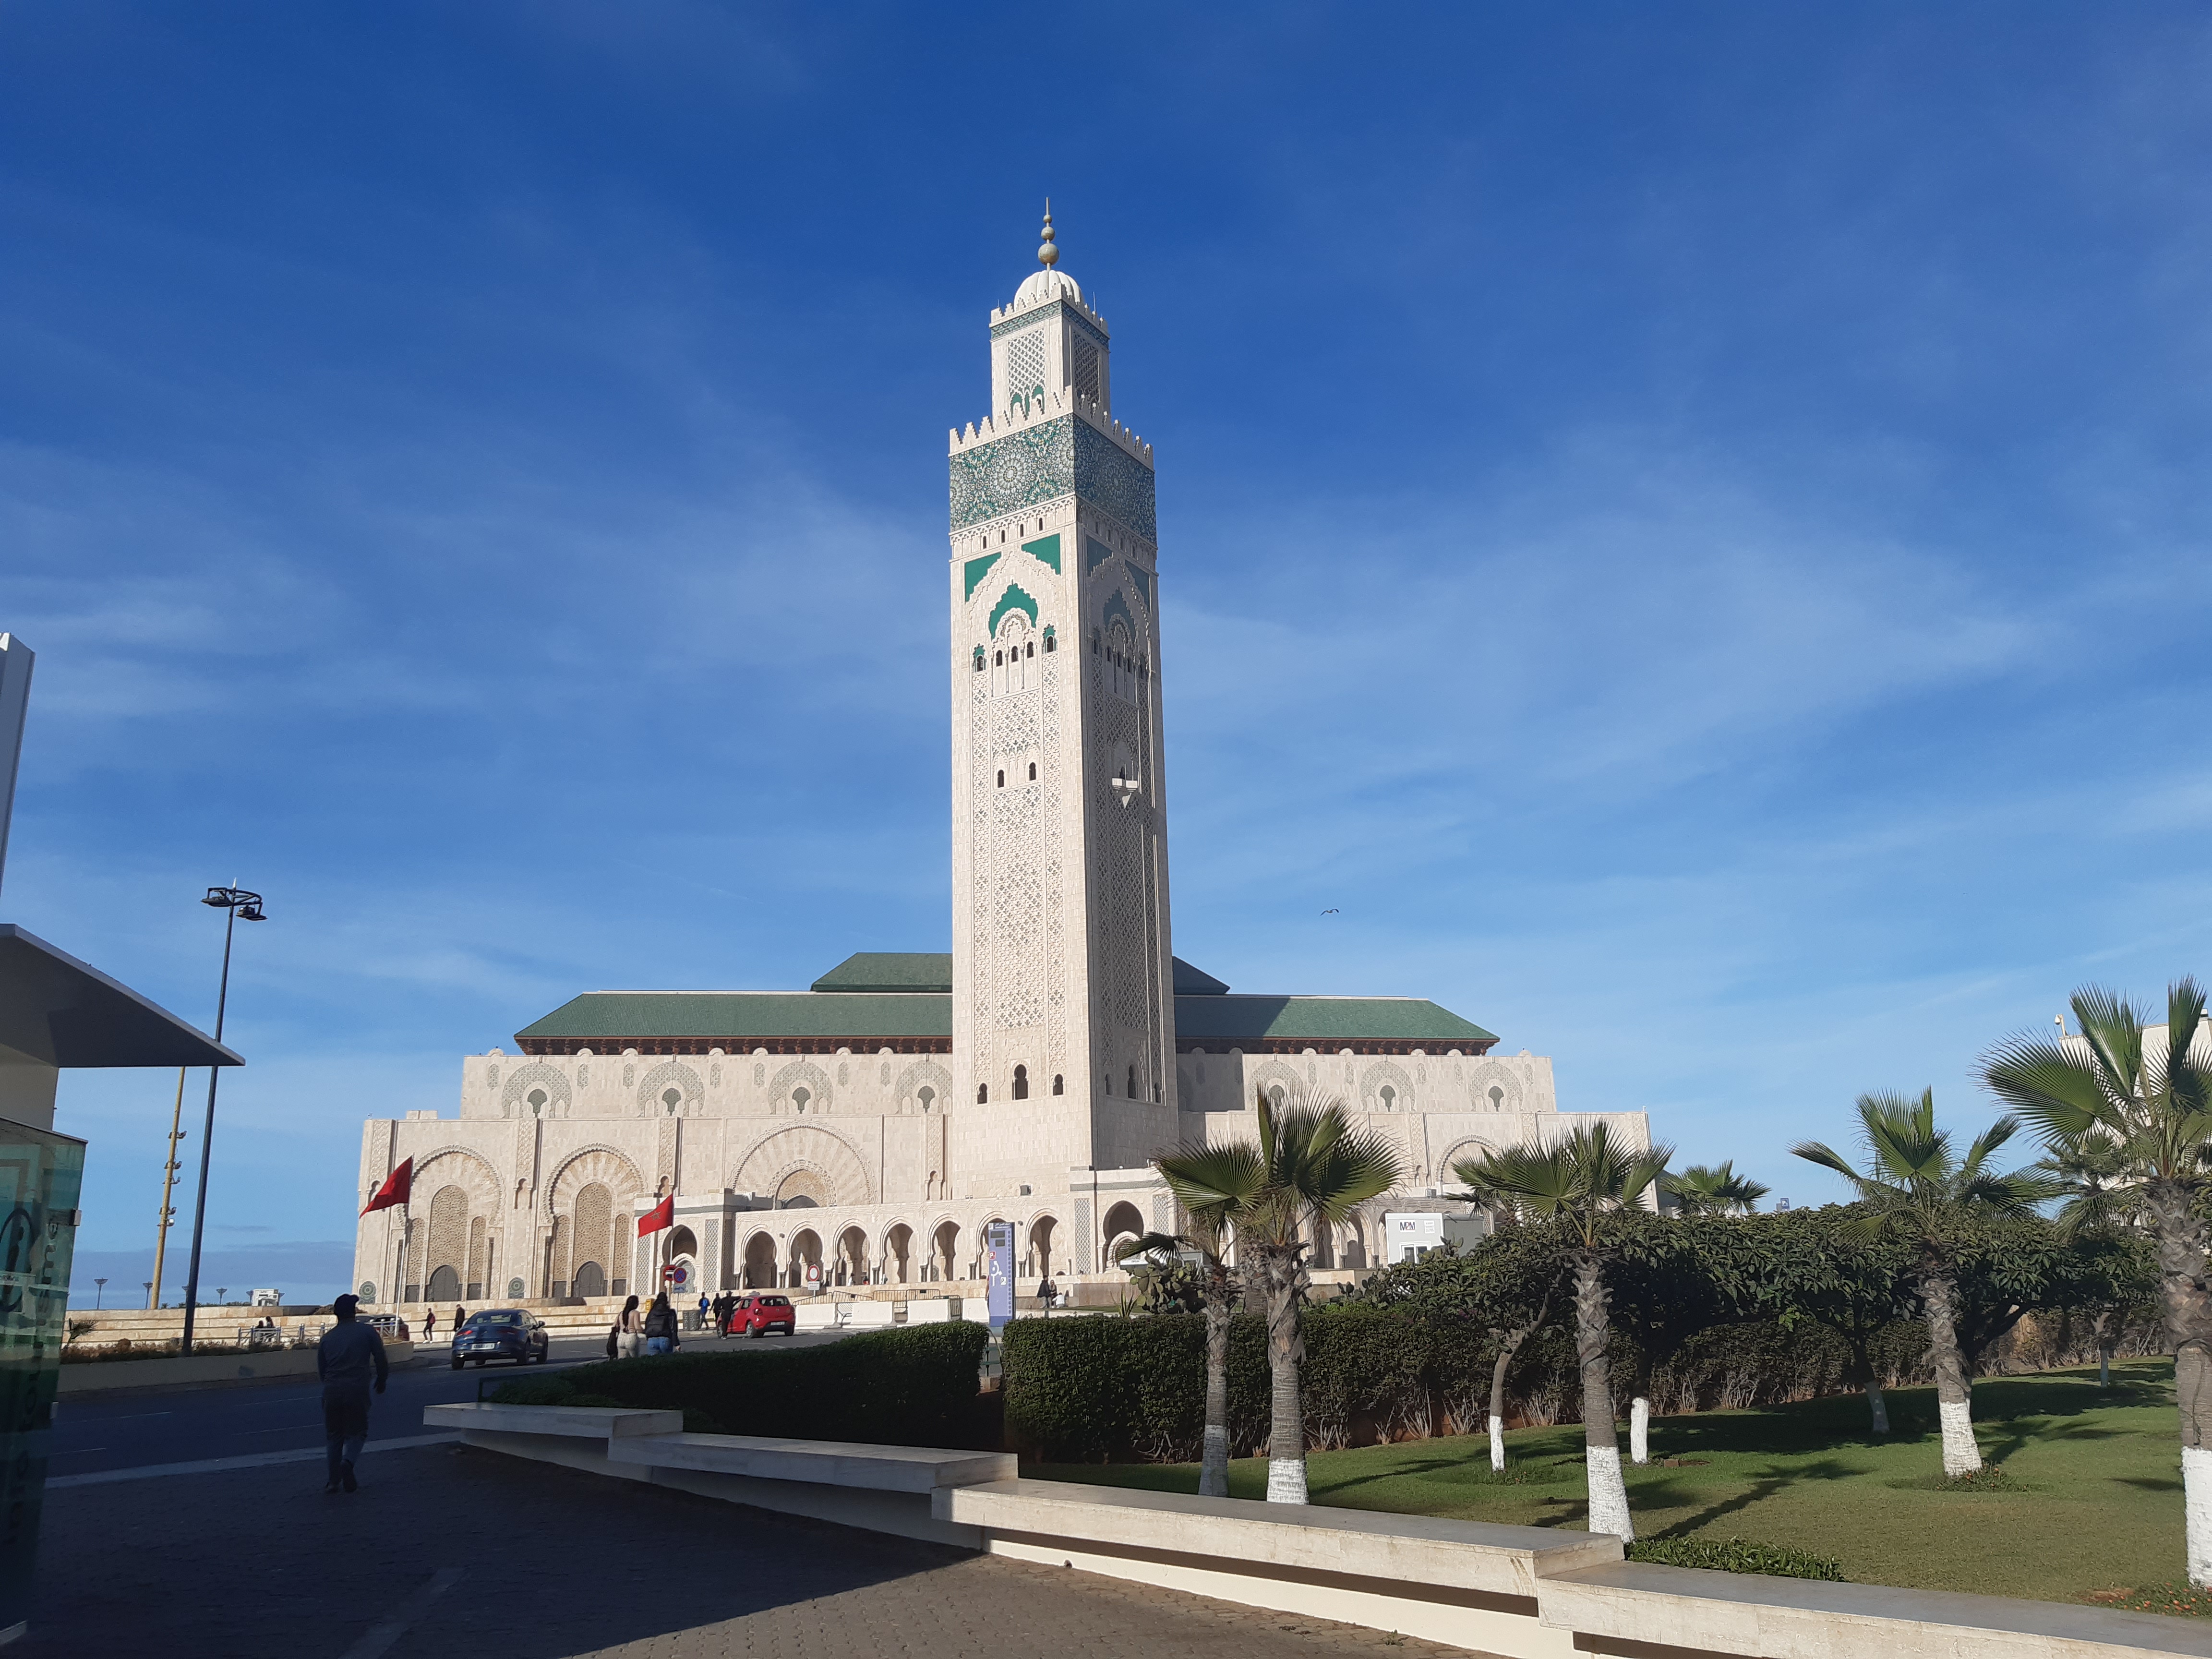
345,1360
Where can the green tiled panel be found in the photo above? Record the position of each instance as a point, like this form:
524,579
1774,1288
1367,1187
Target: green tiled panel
1012,599
1047,549
976,569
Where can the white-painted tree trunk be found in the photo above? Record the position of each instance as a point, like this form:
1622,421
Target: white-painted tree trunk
2196,1510
1877,1407
1213,1469
1608,1494
1286,1480
1639,1430
1960,1454
1496,1442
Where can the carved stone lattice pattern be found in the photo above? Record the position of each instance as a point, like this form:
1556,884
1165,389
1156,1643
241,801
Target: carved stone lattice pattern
591,1239
603,1165
1271,1074
670,1074
1381,1073
1483,1077
1025,369
800,1074
923,1073
808,1146
1017,898
449,1234
523,1078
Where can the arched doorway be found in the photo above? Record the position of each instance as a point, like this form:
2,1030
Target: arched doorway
853,1257
1123,1223
590,1281
898,1249
680,1257
760,1262
1038,1262
944,1248
445,1286
806,1252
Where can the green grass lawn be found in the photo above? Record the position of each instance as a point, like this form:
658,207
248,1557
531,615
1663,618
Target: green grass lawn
2090,1500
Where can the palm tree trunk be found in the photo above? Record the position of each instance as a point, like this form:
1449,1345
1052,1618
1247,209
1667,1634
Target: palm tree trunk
1213,1470
2188,1307
1287,1436
2107,1331
1955,1407
1609,1493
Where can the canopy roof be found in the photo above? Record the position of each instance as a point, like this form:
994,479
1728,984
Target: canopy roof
59,1011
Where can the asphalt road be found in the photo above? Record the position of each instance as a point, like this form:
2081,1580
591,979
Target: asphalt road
179,1425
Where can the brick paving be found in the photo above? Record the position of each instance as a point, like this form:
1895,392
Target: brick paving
555,1564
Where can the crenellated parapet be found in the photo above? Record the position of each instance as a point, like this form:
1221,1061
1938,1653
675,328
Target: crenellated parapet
1050,407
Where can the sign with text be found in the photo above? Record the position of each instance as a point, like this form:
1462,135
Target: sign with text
998,1248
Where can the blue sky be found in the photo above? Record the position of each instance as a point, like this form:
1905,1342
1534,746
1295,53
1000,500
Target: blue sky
1683,527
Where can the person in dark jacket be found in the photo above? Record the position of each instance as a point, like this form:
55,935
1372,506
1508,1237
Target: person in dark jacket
660,1327
348,1356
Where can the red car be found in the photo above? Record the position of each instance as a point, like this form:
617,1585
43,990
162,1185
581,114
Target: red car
762,1315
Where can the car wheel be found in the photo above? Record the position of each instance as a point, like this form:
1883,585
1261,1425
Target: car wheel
458,1363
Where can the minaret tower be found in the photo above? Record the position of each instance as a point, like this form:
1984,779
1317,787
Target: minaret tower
1063,1003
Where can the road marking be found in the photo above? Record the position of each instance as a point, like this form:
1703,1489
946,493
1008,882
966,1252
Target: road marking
378,1638
249,1461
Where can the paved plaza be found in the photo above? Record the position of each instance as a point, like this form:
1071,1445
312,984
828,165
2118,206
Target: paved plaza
447,1551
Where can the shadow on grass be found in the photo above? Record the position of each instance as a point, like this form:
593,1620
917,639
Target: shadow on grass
1763,1485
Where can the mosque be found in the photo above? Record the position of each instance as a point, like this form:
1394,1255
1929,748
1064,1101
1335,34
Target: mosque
865,1131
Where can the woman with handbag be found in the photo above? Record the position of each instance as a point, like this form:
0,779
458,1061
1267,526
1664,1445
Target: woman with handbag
629,1333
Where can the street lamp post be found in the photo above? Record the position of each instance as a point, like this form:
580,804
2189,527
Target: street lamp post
98,1294
241,906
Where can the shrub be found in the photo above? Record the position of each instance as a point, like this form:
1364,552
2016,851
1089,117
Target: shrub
1736,1555
913,1387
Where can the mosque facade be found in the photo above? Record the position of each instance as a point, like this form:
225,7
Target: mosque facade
866,1131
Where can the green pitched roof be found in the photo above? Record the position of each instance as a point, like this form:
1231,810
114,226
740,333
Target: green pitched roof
743,1014
1322,1019
892,971
1209,1017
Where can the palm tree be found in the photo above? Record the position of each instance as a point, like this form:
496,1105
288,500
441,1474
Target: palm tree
2152,1100
1579,1180
1231,1174
1917,1190
1308,1168
1713,1189
2103,1209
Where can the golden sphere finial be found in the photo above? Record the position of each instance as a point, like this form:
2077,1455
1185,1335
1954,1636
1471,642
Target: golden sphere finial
1048,255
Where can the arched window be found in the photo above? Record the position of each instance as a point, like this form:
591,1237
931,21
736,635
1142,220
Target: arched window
538,1103
1389,1098
1058,1084
1496,1098
979,659
1002,777
1032,771
1021,1082
1051,639
999,658
1095,645
982,1094
1133,1082
1029,650
799,1099
671,1098
927,1095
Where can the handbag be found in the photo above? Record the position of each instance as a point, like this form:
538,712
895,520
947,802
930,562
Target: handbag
613,1336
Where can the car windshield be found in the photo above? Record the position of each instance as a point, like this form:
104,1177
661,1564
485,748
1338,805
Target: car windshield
492,1321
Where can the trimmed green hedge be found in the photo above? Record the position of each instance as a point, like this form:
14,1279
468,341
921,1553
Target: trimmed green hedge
1736,1555
1111,1390
913,1387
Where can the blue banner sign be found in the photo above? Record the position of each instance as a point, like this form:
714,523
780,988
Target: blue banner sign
999,1245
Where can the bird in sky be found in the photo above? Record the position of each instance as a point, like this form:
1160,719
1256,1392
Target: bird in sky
1329,913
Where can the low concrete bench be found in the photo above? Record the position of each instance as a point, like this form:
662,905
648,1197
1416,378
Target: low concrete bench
884,1488
1469,1582
852,1316
1517,1592
1635,1609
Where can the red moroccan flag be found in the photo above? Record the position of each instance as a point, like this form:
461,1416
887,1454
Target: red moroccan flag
662,1214
395,1188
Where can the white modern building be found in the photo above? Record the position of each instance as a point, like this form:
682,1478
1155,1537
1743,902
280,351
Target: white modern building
873,1124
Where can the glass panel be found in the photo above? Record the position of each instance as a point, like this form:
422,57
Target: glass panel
40,1174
